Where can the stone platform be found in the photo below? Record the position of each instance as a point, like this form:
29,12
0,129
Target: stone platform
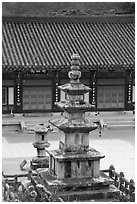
80,189
91,154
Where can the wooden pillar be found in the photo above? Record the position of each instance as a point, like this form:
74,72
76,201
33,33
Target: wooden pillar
55,91
18,92
129,91
93,92
133,91
56,87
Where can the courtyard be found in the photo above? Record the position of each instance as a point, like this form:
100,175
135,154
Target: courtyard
118,146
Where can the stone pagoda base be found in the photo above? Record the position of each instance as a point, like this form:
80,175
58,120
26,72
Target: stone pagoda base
76,164
78,189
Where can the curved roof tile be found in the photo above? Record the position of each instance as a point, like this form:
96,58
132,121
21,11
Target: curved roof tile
51,44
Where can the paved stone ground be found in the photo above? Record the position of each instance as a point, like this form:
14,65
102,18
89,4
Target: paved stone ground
118,146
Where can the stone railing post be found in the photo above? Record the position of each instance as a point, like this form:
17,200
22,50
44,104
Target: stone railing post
121,181
15,182
132,190
131,186
29,174
6,192
111,169
126,188
116,180
32,194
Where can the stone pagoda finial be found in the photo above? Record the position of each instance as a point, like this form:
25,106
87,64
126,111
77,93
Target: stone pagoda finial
75,74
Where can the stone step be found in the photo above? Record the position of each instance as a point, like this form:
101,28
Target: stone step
120,121
112,123
121,126
72,196
119,118
13,126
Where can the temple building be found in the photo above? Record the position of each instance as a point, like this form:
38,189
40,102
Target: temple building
37,53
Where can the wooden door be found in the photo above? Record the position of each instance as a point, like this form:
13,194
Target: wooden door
110,97
37,98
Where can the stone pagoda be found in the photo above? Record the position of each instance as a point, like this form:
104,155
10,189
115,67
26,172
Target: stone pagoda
74,159
74,169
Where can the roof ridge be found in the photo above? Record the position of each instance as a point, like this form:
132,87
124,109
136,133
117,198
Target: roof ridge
92,18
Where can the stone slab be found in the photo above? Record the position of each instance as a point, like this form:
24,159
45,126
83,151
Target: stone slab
69,107
75,88
91,154
69,126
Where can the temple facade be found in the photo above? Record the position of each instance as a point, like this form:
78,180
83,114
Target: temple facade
36,58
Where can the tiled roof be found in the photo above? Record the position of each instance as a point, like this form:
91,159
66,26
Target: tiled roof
49,45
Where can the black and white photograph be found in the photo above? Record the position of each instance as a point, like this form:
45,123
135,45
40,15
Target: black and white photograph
68,101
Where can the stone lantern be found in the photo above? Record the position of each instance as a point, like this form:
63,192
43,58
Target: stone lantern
41,142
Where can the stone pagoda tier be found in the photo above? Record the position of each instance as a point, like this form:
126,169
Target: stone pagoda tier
74,169
75,126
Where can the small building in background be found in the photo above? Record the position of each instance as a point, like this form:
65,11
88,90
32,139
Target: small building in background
38,43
